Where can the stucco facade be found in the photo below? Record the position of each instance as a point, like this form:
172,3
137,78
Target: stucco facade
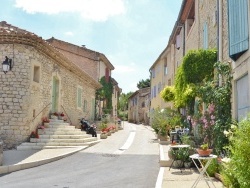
139,106
42,81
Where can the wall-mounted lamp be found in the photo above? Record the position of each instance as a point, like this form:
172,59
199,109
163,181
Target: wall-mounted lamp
7,65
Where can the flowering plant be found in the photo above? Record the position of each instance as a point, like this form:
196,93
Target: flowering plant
45,119
55,114
208,122
34,134
40,126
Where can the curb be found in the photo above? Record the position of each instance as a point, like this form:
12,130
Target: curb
22,166
165,161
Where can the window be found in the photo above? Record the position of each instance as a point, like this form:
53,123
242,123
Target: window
36,76
169,82
190,19
79,97
153,73
178,42
85,106
165,67
159,87
143,104
243,103
238,28
154,91
205,36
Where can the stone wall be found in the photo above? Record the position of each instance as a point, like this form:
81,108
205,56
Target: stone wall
22,99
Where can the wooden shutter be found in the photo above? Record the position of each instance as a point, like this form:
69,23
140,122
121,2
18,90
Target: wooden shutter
205,36
238,27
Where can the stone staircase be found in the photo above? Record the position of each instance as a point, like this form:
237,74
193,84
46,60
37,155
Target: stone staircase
58,134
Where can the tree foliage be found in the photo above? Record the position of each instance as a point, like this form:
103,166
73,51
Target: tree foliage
123,101
143,83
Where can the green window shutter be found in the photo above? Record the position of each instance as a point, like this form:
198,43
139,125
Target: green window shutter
79,97
205,36
238,27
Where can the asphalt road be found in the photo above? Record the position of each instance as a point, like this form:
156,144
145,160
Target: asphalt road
127,159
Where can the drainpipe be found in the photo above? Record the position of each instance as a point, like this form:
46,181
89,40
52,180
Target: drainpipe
219,34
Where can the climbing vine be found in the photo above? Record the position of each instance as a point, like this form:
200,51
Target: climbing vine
105,93
197,66
218,92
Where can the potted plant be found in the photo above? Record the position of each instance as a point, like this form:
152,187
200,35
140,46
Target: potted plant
61,115
204,150
103,134
54,115
45,121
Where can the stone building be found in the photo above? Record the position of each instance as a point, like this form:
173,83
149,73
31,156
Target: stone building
95,64
219,24
139,105
42,81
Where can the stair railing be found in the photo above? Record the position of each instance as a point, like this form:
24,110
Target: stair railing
41,111
66,114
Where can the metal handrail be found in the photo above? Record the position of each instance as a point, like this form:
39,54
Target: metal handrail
41,111
66,114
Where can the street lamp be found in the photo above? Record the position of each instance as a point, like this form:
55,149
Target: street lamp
7,65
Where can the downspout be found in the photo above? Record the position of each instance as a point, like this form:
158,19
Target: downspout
219,34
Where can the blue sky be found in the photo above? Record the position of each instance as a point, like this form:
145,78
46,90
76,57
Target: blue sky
131,33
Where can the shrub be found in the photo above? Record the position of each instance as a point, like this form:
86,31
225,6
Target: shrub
236,173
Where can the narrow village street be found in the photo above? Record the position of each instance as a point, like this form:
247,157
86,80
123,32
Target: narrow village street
128,158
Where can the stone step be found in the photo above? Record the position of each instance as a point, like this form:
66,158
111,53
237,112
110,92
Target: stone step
59,126
52,140
84,135
48,131
30,145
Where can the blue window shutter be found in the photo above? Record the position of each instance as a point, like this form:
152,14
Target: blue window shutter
205,36
238,27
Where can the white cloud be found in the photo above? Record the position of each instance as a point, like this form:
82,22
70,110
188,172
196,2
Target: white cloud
95,10
69,33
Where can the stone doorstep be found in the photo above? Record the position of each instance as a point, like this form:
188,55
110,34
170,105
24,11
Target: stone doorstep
59,140
65,136
59,132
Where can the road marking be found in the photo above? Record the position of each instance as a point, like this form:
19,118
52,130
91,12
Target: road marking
160,178
128,142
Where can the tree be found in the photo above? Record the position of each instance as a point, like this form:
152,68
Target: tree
123,101
143,83
123,105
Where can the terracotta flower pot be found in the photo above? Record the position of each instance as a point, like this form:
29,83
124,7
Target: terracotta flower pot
204,153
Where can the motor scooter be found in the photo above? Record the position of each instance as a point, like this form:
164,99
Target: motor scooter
90,129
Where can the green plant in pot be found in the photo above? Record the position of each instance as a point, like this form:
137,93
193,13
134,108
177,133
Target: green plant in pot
204,150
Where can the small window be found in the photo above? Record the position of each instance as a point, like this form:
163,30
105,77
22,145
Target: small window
169,82
36,75
143,104
165,68
153,73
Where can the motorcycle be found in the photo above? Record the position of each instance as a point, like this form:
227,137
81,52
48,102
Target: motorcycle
90,129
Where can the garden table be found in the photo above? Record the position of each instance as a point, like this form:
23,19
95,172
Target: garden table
203,169
177,147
